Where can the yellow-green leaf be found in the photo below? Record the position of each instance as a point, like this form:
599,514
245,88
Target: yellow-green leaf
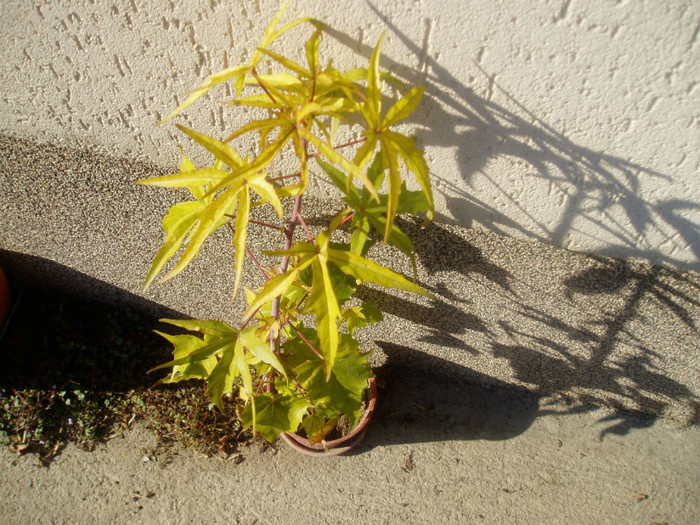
260,349
187,179
177,223
274,287
368,271
312,51
240,235
403,107
220,150
415,162
210,220
209,83
374,87
289,64
336,158
390,158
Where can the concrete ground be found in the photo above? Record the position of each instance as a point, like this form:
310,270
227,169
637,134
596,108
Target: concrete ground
440,451
540,386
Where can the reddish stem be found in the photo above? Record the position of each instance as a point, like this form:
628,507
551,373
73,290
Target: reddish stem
340,146
255,75
257,264
309,237
313,348
347,219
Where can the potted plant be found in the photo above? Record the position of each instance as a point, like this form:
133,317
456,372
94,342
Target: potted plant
293,365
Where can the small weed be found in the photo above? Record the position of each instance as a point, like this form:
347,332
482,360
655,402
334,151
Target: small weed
76,371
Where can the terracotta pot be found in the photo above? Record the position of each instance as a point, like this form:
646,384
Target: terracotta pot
342,445
4,299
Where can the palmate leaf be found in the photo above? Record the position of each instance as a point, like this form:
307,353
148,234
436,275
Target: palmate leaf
369,213
208,357
185,345
366,270
322,300
274,414
343,390
239,73
393,145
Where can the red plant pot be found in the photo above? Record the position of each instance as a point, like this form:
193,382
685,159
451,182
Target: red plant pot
347,442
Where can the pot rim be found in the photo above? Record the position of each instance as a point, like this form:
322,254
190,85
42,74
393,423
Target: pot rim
345,443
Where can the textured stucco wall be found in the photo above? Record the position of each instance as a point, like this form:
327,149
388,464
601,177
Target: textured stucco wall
573,122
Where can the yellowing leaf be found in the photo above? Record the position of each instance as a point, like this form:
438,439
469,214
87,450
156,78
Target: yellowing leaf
403,107
209,83
374,87
368,271
181,218
187,179
209,220
240,235
221,151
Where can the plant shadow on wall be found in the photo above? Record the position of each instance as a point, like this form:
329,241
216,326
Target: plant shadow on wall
597,355
599,192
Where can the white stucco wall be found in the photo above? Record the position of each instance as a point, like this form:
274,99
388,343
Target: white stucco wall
573,122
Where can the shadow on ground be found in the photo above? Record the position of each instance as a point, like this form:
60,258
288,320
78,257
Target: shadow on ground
428,400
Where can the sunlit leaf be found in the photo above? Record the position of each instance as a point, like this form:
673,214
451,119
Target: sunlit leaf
276,414
220,150
211,82
403,107
368,271
177,224
374,87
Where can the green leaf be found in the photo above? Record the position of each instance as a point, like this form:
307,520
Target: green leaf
211,82
368,271
184,346
220,381
390,158
179,221
323,302
260,349
337,177
374,87
403,107
208,347
221,151
209,220
276,414
360,316
415,162
274,287
317,427
364,152
345,387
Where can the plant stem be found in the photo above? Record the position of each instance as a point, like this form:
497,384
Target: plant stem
257,264
313,348
255,75
309,236
359,141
